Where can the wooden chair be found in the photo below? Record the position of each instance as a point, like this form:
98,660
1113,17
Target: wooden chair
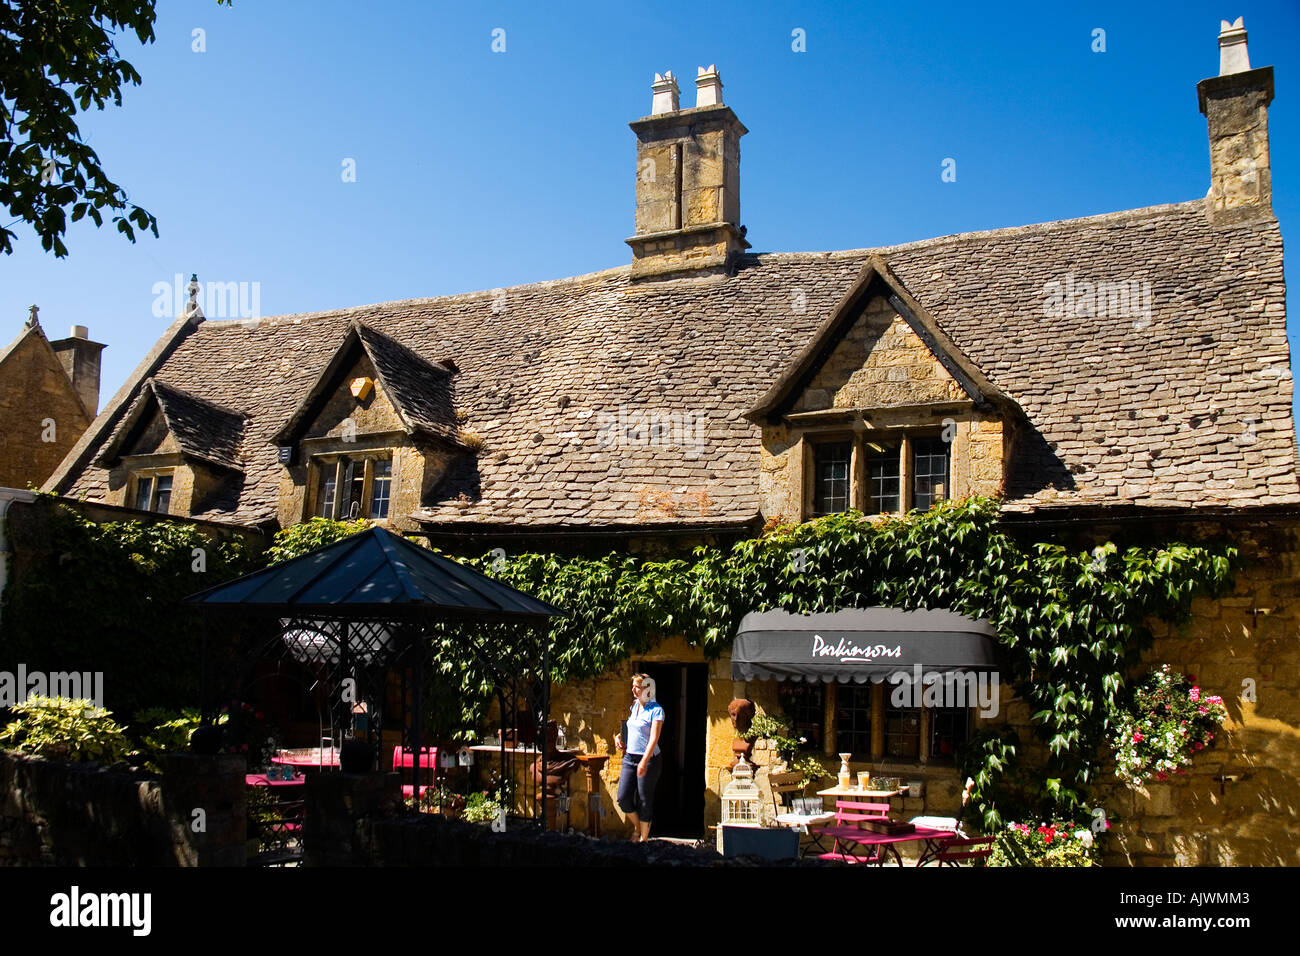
852,812
785,788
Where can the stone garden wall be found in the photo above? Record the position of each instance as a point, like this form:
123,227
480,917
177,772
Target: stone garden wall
67,814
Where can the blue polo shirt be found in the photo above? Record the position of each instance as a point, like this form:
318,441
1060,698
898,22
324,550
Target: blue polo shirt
638,726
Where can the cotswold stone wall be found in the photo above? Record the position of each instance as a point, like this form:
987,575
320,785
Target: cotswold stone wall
1239,802
62,814
40,416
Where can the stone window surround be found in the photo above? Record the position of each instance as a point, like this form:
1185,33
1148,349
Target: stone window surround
857,439
331,452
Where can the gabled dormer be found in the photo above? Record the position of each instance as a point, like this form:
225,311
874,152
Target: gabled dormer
175,453
881,412
373,436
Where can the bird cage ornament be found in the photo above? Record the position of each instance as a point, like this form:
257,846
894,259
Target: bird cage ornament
741,799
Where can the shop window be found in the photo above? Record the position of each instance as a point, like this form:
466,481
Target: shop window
903,732
853,720
949,729
805,705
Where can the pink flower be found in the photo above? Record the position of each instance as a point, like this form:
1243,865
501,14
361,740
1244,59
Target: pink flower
1201,710
1214,699
1137,737
1195,694
1198,745
1107,824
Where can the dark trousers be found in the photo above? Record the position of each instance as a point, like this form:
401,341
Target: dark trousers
637,794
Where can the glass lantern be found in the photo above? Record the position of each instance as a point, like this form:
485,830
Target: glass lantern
741,799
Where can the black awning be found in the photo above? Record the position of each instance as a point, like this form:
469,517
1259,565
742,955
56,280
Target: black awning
859,644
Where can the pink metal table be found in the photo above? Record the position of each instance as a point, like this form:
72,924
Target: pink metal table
887,841
260,780
308,757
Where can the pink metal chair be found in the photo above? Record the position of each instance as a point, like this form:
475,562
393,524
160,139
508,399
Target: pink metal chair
959,850
852,812
404,758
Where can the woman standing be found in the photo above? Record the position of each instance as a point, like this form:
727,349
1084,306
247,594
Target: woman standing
641,760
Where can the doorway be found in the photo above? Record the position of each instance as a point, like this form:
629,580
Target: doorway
683,691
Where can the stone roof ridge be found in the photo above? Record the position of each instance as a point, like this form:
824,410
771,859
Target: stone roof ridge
357,312
1145,212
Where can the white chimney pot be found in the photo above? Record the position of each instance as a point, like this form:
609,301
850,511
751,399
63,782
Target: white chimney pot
665,94
1233,56
708,87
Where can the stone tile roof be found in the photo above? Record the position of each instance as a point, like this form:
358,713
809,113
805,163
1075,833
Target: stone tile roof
202,428
604,402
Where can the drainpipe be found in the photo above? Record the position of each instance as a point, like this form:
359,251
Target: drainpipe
7,497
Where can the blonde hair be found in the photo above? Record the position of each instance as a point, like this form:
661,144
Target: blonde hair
647,683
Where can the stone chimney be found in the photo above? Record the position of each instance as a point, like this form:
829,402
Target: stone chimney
1235,104
687,183
80,358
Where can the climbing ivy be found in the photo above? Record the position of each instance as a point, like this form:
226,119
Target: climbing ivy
1071,624
109,597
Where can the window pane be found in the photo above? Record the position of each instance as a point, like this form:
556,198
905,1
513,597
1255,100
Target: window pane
805,705
325,497
379,485
949,728
830,478
354,484
882,479
143,493
853,720
930,472
903,731
163,494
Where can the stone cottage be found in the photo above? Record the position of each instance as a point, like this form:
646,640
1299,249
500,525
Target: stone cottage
1113,373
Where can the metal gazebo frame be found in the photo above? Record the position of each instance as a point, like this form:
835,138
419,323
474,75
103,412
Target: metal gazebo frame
367,604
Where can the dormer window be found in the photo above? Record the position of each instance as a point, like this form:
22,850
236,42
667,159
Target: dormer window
876,474
353,486
153,492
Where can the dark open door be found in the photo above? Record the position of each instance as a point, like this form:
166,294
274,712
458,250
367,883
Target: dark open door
682,691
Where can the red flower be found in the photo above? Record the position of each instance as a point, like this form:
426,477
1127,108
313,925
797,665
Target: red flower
1198,745
257,714
1137,737
1162,775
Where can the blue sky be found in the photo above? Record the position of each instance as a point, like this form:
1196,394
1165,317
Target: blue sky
478,169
